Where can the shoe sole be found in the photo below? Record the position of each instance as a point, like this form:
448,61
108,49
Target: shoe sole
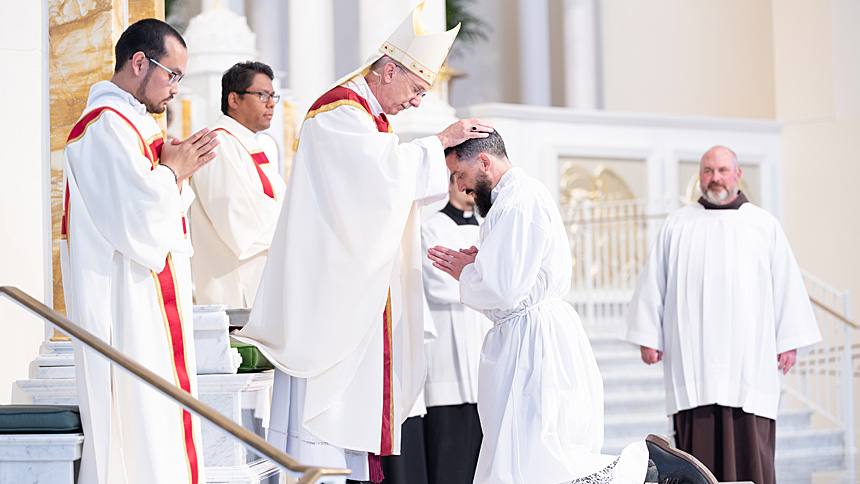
664,444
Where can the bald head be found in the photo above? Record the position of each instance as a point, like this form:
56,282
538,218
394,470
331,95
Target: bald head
719,175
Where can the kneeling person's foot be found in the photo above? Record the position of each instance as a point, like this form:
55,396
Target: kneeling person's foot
675,466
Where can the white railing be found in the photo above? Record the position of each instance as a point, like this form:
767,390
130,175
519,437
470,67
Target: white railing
824,378
609,243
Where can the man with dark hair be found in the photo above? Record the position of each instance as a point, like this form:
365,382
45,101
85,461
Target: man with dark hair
125,264
238,198
540,394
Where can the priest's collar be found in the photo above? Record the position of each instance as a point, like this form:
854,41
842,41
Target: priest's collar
358,84
458,216
108,88
508,177
734,205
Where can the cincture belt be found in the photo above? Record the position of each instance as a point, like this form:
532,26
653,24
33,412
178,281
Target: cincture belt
525,310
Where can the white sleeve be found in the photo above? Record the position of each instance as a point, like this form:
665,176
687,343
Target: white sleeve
507,265
644,322
136,208
439,286
242,215
431,184
795,323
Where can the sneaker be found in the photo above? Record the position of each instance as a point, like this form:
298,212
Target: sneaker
675,466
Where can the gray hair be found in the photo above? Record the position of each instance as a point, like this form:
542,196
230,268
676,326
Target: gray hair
380,63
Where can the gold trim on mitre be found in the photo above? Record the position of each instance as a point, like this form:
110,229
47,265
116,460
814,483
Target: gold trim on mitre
416,48
410,44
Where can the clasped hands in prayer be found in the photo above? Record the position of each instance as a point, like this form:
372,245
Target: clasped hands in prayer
185,157
452,261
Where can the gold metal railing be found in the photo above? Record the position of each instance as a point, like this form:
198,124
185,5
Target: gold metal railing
310,474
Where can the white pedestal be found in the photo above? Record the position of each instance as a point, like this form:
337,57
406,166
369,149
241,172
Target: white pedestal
39,458
243,397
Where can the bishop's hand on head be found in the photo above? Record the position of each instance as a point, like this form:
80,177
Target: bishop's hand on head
464,129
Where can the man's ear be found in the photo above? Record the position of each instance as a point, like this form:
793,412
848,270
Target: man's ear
486,162
388,72
232,101
139,63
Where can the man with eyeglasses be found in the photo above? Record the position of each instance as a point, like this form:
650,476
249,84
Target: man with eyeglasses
238,198
125,262
340,310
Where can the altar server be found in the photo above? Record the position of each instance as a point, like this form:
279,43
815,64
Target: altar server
452,430
722,301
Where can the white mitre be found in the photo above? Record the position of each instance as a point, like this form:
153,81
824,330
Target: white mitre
414,46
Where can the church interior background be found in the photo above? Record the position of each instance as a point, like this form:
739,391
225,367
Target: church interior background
611,104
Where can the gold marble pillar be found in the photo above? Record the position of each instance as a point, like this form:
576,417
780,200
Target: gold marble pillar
82,35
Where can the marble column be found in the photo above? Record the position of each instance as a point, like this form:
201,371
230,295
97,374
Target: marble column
534,52
582,83
311,69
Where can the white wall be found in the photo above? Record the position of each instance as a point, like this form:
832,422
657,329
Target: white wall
707,57
23,151
816,57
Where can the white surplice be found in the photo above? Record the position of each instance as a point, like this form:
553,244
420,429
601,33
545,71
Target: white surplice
125,225
348,232
721,295
540,394
453,354
232,219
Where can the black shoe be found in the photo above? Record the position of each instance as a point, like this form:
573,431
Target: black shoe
675,466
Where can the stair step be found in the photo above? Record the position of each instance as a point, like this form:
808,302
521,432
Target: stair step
819,459
633,426
807,439
614,358
794,418
647,402
633,380
602,341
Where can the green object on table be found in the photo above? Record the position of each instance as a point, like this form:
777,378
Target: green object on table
40,419
252,359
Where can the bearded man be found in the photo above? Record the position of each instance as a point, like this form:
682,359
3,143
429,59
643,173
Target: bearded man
722,299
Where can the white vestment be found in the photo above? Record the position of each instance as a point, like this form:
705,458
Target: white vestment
348,236
721,295
127,279
540,394
233,218
453,355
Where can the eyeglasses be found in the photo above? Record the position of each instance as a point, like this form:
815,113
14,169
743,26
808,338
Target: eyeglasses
264,96
175,77
418,91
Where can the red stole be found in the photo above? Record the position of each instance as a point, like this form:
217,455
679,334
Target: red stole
333,99
259,160
165,284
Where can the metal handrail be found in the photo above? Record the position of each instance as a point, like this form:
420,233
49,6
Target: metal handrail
833,313
310,474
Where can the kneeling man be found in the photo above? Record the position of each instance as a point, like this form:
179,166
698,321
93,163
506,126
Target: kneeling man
540,394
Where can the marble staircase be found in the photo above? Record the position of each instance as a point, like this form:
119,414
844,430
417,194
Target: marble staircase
634,406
